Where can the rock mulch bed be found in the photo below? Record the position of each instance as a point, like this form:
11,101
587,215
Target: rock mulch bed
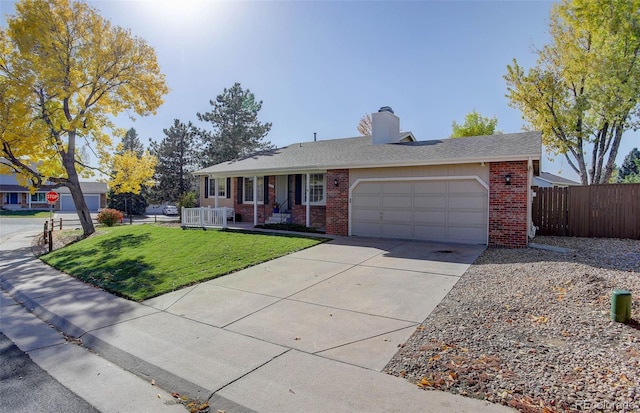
530,329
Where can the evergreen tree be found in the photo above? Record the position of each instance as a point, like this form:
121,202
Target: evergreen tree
176,161
629,168
236,129
130,142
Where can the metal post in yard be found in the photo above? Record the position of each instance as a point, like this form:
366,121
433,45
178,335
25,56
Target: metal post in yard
60,223
51,215
44,234
50,240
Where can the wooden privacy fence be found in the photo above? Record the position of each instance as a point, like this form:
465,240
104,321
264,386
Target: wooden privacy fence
602,211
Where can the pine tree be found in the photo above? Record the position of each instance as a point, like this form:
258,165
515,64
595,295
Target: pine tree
236,129
130,142
629,168
176,161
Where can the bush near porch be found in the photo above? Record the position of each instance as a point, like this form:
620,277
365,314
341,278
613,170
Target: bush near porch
142,261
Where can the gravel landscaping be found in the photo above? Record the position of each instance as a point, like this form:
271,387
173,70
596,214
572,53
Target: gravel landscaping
530,329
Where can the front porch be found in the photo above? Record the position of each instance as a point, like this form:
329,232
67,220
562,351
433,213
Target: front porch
270,199
219,218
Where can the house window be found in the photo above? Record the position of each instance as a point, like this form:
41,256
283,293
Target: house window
317,186
39,197
248,189
222,187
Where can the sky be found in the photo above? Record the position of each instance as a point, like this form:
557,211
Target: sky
319,66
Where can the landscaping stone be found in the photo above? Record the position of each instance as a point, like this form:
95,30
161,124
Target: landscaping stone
530,328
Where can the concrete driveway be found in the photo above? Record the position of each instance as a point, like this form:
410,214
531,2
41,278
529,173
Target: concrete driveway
353,300
306,332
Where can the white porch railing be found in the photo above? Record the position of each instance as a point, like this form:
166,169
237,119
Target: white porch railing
206,217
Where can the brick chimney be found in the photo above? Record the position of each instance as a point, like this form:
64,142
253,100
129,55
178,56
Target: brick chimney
385,126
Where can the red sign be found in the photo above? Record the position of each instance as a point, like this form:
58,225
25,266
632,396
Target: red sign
52,197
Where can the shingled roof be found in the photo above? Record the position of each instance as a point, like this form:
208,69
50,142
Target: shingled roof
359,152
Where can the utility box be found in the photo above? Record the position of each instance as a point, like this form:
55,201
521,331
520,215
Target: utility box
621,306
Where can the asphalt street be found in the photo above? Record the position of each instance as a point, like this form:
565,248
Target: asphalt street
12,225
28,388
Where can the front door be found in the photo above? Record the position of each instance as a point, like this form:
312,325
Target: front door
281,191
13,198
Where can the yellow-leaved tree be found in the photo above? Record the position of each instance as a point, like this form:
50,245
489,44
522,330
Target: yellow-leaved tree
583,94
65,73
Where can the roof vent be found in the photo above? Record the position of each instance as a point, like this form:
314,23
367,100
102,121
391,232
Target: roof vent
386,109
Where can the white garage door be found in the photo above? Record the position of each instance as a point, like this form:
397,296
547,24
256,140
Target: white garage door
67,204
452,210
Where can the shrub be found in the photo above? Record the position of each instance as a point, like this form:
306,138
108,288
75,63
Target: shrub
188,200
110,217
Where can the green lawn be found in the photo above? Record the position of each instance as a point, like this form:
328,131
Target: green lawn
24,214
143,261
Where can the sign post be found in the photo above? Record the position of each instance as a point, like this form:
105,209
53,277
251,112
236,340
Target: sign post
52,198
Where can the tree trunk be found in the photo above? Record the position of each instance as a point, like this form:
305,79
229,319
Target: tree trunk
73,183
81,207
613,153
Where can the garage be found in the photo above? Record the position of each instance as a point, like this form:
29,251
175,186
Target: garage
67,204
432,209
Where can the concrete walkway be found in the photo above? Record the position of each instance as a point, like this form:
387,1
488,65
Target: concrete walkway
307,332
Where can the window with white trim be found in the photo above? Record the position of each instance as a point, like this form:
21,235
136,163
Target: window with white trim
248,189
222,187
39,197
317,189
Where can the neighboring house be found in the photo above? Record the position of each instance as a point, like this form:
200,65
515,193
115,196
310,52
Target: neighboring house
14,196
547,180
465,190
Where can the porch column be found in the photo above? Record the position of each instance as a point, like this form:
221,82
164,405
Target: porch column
307,191
255,200
216,189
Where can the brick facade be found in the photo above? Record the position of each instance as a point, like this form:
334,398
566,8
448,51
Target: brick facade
508,204
264,210
337,214
508,224
317,219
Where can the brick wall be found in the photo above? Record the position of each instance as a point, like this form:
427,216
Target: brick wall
508,205
317,219
337,213
246,210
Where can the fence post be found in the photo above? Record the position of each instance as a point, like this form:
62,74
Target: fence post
46,230
60,223
201,217
50,240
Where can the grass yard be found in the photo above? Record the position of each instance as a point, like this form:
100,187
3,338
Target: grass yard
143,261
24,214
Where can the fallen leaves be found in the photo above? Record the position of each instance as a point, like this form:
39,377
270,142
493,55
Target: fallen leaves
438,380
195,407
539,319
